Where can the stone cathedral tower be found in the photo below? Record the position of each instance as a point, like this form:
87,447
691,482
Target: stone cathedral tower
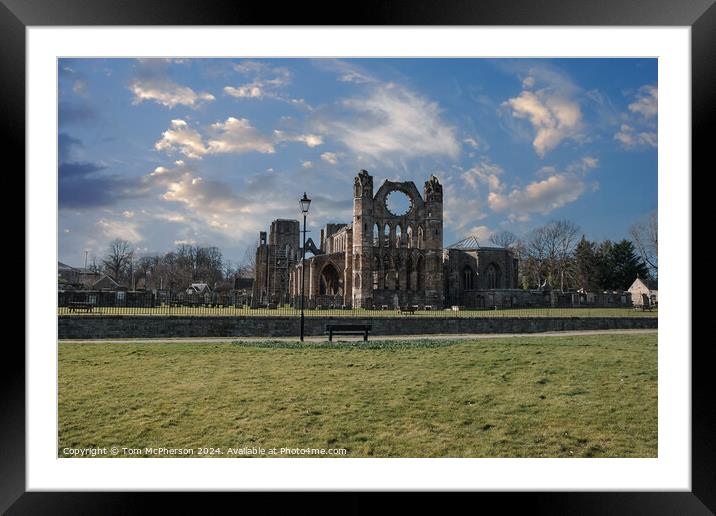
362,239
397,254
391,255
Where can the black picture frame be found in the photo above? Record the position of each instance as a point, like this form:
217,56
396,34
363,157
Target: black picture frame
16,15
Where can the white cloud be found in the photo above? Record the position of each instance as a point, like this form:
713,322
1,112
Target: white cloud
197,207
463,207
330,157
475,142
638,127
307,164
540,196
554,191
266,82
170,216
354,76
128,214
347,71
647,101
167,93
485,173
311,140
631,139
181,138
391,121
121,229
247,91
552,116
482,233
236,135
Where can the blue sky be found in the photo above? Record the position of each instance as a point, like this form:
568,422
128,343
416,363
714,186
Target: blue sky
209,151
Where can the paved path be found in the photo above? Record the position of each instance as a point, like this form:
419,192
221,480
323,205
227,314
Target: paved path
312,338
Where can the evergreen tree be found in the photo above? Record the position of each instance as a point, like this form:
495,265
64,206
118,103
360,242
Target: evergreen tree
627,265
619,265
586,266
605,265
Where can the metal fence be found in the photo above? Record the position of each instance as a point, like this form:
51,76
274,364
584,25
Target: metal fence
151,303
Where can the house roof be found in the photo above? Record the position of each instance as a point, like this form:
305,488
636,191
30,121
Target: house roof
102,278
651,284
64,266
86,270
470,243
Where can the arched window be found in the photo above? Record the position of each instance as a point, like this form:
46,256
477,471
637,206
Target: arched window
420,237
376,236
408,274
467,278
409,234
398,235
386,235
420,280
376,273
330,283
397,264
492,276
386,272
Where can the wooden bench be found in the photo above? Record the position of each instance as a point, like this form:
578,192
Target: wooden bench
347,329
408,310
79,305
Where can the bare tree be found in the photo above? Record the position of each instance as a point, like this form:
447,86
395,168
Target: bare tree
118,259
645,234
537,253
504,239
565,234
549,253
248,266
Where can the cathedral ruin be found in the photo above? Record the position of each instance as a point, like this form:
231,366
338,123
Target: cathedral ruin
385,258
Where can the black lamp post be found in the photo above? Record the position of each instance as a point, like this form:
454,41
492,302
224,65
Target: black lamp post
305,203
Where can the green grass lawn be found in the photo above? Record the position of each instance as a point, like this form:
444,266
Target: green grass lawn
579,396
360,312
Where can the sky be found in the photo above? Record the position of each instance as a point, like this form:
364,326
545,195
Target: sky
162,152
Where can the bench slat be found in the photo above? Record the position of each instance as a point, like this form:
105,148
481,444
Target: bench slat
348,329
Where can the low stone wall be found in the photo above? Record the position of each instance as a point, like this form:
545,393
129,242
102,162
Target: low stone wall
126,326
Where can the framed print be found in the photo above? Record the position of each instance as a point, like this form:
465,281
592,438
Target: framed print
410,250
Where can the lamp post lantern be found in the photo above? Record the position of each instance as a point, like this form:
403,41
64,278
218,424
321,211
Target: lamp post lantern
305,203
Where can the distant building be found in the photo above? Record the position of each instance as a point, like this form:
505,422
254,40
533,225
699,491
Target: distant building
644,292
198,289
479,276
276,255
242,291
105,282
389,255
69,277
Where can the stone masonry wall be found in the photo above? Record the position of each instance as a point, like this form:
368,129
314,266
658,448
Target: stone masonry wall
124,326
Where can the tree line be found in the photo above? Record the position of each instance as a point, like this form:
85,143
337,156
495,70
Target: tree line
174,270
558,256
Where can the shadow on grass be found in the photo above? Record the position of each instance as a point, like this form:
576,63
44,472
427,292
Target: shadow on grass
374,344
